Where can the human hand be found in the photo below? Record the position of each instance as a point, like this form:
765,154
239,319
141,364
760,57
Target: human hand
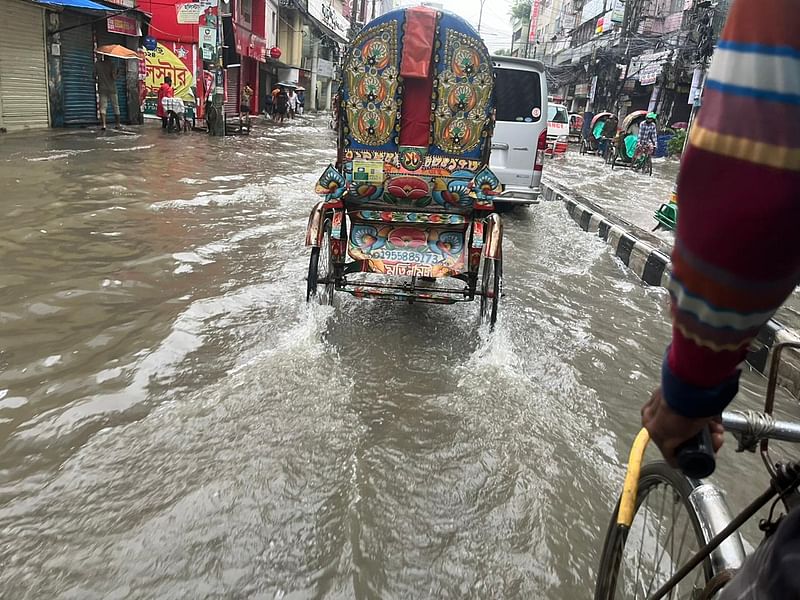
669,430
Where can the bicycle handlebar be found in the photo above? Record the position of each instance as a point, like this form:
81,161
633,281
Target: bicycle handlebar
696,455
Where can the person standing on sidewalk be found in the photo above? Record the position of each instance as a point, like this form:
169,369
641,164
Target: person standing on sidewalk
106,74
737,253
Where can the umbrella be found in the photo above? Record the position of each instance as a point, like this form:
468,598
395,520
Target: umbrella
117,51
286,84
300,88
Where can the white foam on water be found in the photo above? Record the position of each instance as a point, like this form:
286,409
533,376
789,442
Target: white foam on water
133,148
250,193
59,155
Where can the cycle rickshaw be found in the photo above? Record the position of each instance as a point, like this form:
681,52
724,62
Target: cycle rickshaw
407,211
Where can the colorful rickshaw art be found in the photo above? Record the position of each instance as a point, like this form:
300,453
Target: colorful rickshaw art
407,211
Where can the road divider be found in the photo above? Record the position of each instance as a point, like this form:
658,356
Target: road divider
649,258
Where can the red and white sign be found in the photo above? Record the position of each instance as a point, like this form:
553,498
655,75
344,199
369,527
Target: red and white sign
123,3
535,5
123,25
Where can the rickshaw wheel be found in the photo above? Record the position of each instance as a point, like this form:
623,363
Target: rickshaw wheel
491,288
583,147
321,264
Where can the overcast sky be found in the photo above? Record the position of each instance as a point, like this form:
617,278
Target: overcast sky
496,23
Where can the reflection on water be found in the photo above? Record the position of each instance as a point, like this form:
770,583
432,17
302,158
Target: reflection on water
176,422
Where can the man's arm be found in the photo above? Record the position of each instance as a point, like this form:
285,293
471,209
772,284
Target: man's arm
737,253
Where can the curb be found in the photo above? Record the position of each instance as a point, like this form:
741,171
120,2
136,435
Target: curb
653,266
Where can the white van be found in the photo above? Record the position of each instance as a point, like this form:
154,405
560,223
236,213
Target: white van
520,133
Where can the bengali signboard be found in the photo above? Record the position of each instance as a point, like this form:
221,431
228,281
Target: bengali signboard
208,42
189,13
647,67
171,59
123,25
535,7
324,12
592,9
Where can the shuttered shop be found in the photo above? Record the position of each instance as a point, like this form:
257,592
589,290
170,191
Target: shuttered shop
23,67
77,70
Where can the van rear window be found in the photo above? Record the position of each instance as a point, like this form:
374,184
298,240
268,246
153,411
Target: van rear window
518,93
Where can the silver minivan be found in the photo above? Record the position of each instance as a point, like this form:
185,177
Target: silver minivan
520,133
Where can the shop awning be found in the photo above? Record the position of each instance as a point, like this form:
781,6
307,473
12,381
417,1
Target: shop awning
84,4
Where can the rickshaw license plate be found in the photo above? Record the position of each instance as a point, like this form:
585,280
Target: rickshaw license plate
368,171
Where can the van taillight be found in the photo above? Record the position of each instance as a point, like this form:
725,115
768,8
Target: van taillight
538,162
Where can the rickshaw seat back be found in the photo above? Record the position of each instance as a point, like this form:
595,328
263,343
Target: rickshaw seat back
417,103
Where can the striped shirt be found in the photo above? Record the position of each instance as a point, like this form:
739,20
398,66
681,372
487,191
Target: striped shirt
737,252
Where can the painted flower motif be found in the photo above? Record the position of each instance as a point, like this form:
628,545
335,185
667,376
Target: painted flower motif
331,183
411,188
407,237
486,183
367,191
450,243
366,238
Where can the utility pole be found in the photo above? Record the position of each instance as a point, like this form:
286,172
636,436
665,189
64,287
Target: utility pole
217,126
480,15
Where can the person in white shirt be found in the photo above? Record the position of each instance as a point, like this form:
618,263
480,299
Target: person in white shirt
292,103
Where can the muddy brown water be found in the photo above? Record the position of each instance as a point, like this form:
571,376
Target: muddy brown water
176,422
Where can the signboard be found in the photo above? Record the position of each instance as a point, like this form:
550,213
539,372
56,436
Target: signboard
535,6
582,89
324,68
647,67
123,25
618,11
208,42
592,9
189,13
173,59
324,12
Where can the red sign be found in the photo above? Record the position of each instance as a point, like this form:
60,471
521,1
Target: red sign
250,45
534,20
123,25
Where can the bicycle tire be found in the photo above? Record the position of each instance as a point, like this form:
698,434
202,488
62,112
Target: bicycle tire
616,541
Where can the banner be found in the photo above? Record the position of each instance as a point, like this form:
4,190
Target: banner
208,42
177,61
535,5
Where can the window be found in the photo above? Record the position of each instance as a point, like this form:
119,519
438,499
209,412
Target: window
518,93
274,34
557,114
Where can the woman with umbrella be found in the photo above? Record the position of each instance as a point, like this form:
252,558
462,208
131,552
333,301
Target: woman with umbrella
281,104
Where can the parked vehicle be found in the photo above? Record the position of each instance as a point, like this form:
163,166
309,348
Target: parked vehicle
520,133
557,129
407,212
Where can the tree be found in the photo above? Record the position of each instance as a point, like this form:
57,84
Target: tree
521,11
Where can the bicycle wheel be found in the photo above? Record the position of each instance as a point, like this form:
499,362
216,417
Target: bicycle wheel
664,534
320,265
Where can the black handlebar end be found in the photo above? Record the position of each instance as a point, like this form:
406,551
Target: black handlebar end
696,455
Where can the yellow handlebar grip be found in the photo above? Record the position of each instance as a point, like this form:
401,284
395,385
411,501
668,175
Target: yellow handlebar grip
627,502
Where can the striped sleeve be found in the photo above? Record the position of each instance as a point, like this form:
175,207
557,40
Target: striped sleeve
737,252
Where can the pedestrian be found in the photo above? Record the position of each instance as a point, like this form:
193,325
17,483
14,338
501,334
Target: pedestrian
301,101
268,106
165,91
106,74
736,256
281,105
244,106
275,91
292,97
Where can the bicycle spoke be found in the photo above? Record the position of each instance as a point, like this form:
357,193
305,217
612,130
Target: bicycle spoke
658,537
641,546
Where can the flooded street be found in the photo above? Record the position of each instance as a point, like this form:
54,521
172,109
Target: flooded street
176,422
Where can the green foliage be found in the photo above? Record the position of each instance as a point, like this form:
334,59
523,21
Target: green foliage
521,11
675,144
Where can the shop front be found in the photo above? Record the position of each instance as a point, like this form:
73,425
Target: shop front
24,97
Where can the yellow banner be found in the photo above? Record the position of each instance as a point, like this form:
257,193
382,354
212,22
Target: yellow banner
162,62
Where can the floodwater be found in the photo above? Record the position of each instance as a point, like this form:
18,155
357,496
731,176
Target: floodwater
635,198
176,422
